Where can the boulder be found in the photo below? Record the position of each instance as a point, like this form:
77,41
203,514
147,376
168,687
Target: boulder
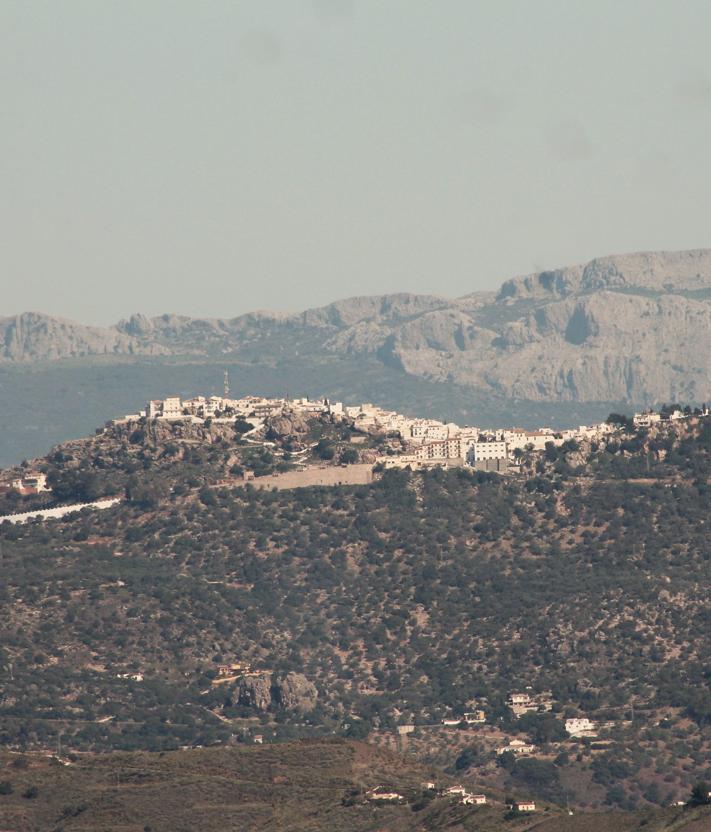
294,692
255,692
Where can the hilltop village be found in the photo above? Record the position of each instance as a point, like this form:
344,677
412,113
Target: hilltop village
300,442
283,443
423,442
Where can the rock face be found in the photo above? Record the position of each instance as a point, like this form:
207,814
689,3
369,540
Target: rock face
255,692
633,327
292,692
289,424
35,337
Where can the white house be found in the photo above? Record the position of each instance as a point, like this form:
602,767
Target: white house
30,483
378,793
579,726
538,439
474,799
516,747
646,419
519,699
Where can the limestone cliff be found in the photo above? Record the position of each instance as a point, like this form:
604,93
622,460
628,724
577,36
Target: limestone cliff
634,327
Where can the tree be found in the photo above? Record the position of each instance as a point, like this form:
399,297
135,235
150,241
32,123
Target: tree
80,486
700,795
349,456
619,420
324,449
469,757
507,761
242,426
543,728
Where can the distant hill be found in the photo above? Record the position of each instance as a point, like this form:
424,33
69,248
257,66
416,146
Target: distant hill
633,328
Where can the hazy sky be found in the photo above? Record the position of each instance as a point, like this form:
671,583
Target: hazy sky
211,158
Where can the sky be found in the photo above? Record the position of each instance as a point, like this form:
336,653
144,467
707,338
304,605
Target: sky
214,158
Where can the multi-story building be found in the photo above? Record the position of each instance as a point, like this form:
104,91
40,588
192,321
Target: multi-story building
170,408
487,449
646,419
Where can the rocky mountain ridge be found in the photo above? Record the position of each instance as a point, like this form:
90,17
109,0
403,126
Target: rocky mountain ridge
633,327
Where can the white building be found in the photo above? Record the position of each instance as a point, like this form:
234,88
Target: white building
514,437
170,408
474,799
306,405
428,430
646,419
493,449
517,747
538,439
403,730
378,793
580,726
30,483
439,449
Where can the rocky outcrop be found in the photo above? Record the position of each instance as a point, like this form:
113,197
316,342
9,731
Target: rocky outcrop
255,692
294,692
634,327
36,337
291,692
288,424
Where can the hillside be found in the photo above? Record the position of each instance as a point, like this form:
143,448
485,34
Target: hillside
358,609
302,786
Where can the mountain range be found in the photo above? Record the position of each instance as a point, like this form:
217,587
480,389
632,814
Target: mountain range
632,328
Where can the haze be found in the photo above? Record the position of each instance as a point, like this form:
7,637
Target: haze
214,158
